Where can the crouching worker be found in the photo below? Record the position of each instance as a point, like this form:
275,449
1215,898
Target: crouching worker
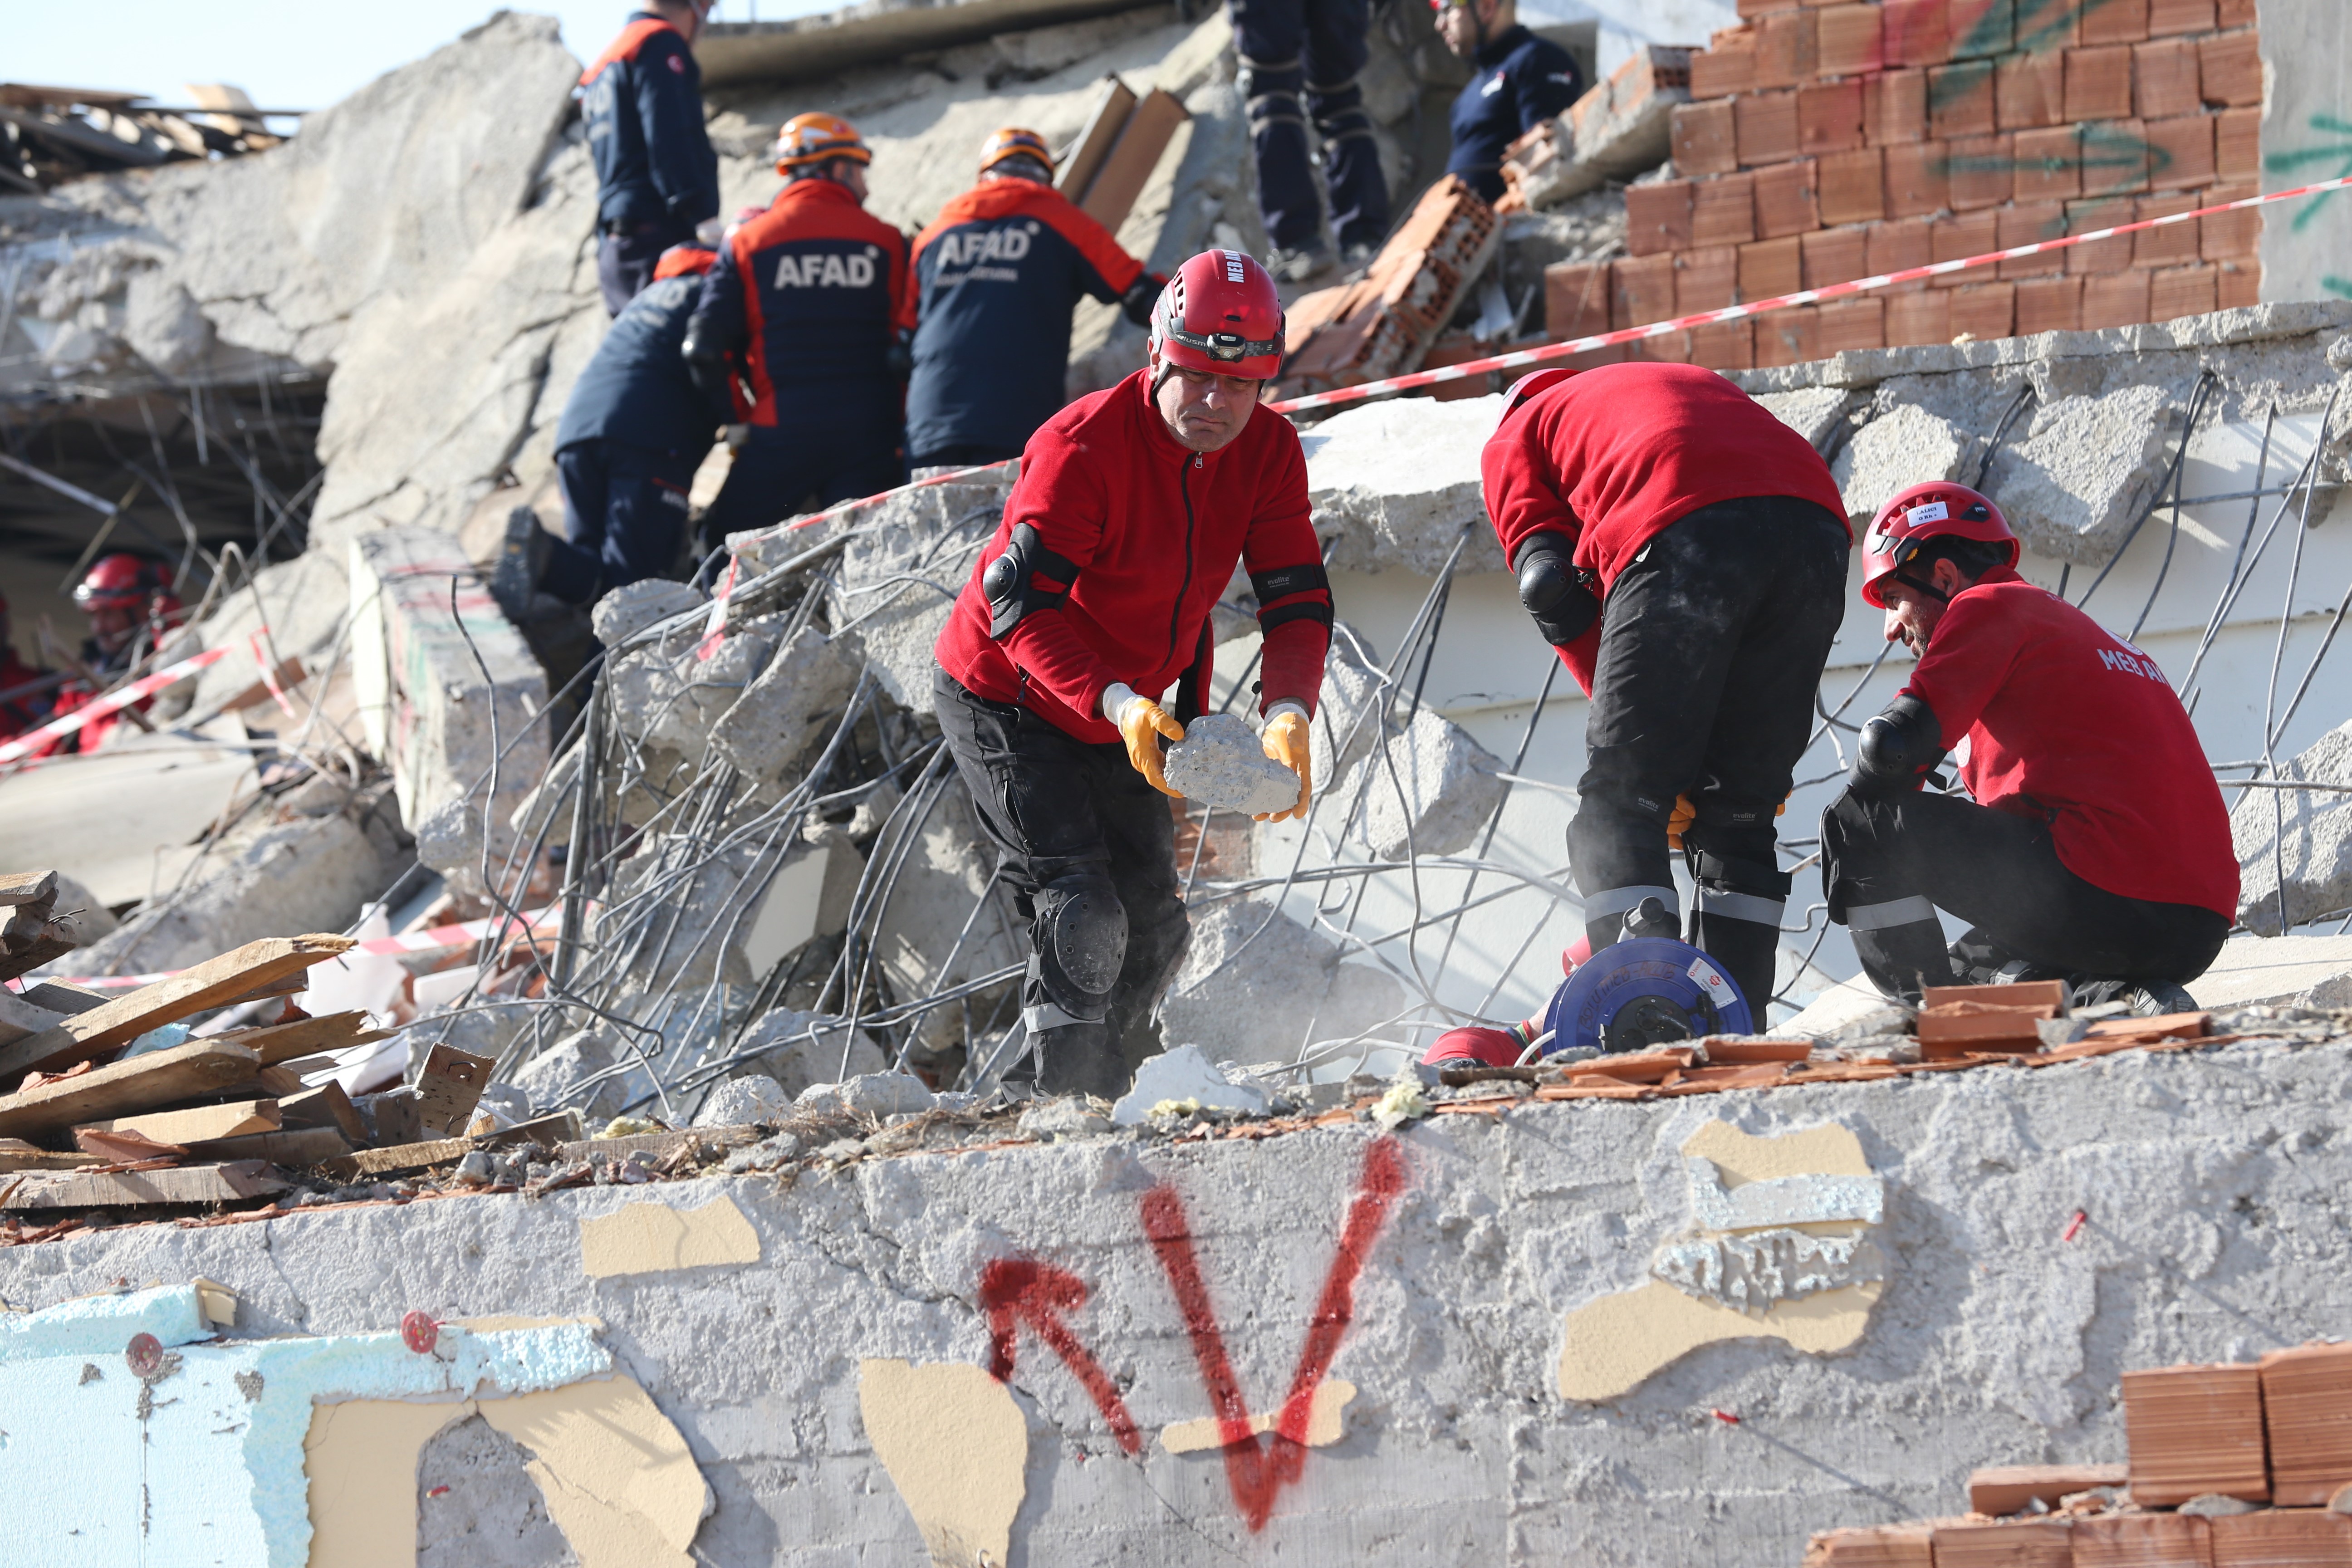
2096,849
1685,553
1131,510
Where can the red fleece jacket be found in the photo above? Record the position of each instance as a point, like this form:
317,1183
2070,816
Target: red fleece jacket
2053,717
1154,531
1611,456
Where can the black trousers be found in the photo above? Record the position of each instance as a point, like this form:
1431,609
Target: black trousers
1089,849
624,517
1314,49
777,473
1712,644
962,457
1889,863
626,258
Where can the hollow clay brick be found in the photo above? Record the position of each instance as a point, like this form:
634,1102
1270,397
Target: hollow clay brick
2049,305
1576,299
1983,311
1851,326
1723,212
2029,89
2170,18
1846,42
2114,157
2227,236
1916,32
2030,223
1788,337
1984,29
2237,144
2307,1412
2193,1430
1720,72
1919,319
2143,1540
2234,13
1769,268
2114,22
2100,256
1873,1546
1707,278
1767,128
1918,180
1658,217
1785,203
2240,284
2164,78
1895,108
1724,346
2035,1543
1784,50
1705,139
1851,187
1980,172
2181,153
1899,245
1640,291
1829,117
2174,245
2049,165
2283,1538
1957,238
1961,100
2229,70
2099,83
2114,299
2176,291
1836,255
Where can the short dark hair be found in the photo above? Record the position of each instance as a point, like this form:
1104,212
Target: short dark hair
1973,557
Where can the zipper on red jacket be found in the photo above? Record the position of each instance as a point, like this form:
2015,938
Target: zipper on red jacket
1184,487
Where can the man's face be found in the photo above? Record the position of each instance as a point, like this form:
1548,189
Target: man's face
1204,412
111,625
1911,616
1460,31
852,176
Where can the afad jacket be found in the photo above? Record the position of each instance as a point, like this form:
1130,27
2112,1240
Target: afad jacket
1151,532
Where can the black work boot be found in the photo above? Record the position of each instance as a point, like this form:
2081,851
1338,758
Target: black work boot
522,561
1904,960
1080,1058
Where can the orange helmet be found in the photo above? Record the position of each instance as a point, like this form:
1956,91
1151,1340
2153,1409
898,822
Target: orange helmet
809,138
1012,142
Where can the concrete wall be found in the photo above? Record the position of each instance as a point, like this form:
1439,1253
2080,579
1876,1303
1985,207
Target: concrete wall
2211,1182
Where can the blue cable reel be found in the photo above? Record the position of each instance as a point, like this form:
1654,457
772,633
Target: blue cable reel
1644,992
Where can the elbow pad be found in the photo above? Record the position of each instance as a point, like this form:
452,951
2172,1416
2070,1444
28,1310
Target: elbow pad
1898,748
1554,590
1025,579
1141,296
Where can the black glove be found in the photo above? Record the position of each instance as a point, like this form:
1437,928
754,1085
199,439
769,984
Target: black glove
1898,749
1141,296
1554,590
706,365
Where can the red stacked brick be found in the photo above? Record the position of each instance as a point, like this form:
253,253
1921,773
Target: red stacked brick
1873,134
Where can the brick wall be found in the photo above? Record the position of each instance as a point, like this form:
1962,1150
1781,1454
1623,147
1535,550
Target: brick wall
1826,142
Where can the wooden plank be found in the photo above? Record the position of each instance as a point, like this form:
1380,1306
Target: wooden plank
126,1088
128,1189
91,1035
548,1132
280,1043
15,1154
52,941
18,888
296,1149
195,1125
20,1019
448,1088
325,1106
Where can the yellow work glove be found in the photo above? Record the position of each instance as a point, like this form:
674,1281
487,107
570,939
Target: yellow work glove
1141,722
1684,811
1285,740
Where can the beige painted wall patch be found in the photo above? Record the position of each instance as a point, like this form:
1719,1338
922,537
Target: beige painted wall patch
1791,1257
653,1238
956,1447
1323,1422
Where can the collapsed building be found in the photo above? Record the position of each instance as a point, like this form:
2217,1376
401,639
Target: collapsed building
351,1276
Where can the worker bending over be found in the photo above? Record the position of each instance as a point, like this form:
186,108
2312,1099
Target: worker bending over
1299,59
1516,83
1685,553
997,274
656,177
634,430
806,305
1131,510
2095,850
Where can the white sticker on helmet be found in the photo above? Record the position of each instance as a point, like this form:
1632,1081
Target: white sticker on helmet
1233,265
1934,512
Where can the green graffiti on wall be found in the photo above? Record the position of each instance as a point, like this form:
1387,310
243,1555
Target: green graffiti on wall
2328,163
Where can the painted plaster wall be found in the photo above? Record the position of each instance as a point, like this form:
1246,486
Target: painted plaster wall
2213,1185
2306,136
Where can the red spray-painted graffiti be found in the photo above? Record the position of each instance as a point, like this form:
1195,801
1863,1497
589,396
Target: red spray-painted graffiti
1258,1469
1017,1290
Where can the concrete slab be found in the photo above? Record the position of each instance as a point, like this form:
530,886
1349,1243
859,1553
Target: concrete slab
125,822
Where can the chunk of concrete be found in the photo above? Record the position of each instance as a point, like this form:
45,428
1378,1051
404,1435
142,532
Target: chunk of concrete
670,696
740,1102
2305,834
895,580
1265,994
1394,485
871,1094
1427,792
2086,469
1183,1073
798,1049
804,688
557,1078
685,917
629,609
1221,763
1816,413
1065,1116
1904,446
1348,723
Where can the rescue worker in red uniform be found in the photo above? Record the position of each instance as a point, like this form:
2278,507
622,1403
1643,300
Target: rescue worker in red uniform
996,275
131,608
25,690
2094,847
1685,553
807,307
1132,508
656,177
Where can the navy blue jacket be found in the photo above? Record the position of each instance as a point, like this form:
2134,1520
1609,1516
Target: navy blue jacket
1519,81
996,276
643,104
635,389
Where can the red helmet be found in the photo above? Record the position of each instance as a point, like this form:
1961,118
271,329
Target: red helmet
1221,315
1013,141
1938,510
122,580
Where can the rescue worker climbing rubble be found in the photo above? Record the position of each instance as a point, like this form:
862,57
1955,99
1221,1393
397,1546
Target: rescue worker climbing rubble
656,177
807,306
1517,81
2094,847
1300,58
1132,508
1685,553
996,274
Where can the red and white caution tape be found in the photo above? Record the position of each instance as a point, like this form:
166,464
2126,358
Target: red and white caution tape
1549,352
434,939
112,702
269,676
714,625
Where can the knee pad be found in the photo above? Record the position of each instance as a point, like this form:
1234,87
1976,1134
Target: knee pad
1078,944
